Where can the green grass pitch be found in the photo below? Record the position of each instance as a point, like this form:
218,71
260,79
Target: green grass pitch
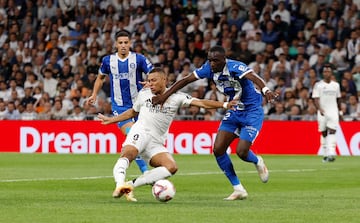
43,188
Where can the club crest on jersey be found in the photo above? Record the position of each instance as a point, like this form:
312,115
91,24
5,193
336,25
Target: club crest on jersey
132,65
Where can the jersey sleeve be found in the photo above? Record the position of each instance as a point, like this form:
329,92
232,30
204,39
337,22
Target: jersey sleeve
338,93
204,71
186,99
315,92
139,100
105,66
146,65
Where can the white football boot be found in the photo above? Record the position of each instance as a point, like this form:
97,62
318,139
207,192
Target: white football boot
237,195
262,170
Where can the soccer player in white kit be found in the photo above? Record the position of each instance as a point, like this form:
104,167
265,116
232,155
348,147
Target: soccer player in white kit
125,70
147,136
327,101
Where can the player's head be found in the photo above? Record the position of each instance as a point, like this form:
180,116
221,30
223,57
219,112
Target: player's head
217,58
157,80
327,72
122,42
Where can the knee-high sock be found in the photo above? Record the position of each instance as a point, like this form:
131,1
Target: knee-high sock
323,145
227,167
331,144
119,171
141,164
152,176
251,157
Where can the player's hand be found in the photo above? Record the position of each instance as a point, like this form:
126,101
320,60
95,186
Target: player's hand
232,104
271,96
145,84
104,119
91,100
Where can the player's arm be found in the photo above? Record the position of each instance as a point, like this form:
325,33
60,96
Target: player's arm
269,95
130,113
204,103
160,99
97,86
317,105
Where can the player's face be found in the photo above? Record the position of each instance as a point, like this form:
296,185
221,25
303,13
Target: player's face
327,73
123,46
217,61
157,82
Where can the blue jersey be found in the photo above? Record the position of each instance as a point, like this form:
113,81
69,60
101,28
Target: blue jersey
231,82
125,76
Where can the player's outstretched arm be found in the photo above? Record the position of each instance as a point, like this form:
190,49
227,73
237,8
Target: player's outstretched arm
97,85
105,120
204,103
269,95
160,99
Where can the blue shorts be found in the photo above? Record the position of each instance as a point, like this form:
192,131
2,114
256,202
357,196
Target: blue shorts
243,123
120,110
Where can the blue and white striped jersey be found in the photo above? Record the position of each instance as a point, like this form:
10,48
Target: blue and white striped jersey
231,82
125,75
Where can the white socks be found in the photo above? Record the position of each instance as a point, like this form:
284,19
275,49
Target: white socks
119,171
239,187
323,145
152,176
331,144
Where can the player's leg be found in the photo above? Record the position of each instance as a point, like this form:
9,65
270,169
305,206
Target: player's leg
125,128
222,142
129,153
164,167
323,137
331,145
251,126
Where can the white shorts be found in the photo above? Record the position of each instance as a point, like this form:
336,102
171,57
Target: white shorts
325,121
145,143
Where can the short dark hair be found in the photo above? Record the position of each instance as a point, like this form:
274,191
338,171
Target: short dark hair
122,32
157,69
218,49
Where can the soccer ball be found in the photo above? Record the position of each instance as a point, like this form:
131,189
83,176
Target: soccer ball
163,190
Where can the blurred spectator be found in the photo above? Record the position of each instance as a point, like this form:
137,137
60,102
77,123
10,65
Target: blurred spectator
3,110
29,112
57,111
28,98
50,83
76,114
12,113
353,107
279,113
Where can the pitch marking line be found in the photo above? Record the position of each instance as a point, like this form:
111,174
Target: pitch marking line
178,174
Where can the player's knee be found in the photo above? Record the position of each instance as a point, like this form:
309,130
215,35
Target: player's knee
217,151
172,168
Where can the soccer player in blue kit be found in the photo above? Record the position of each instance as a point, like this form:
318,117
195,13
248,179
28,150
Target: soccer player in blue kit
125,70
236,80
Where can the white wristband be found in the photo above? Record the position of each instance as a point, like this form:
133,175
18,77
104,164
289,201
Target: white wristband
225,105
264,90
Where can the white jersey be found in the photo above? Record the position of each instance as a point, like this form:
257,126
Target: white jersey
156,120
328,93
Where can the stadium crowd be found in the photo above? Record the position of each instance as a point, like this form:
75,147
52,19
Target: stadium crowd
50,51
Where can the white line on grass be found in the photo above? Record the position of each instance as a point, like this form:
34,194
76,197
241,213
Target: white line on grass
178,174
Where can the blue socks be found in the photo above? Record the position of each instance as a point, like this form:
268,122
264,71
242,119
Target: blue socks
142,164
251,158
227,167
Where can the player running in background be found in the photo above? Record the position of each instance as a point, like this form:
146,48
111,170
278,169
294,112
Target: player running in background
236,80
125,70
147,136
326,94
